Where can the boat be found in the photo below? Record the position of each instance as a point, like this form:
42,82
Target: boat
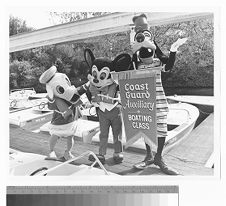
181,121
204,103
23,93
20,99
30,116
28,107
30,164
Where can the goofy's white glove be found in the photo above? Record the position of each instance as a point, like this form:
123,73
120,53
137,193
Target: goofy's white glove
177,44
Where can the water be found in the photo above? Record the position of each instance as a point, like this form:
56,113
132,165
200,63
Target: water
189,91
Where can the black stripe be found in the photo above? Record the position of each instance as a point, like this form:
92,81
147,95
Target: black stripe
50,79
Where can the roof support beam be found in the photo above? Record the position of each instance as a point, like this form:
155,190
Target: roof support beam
97,26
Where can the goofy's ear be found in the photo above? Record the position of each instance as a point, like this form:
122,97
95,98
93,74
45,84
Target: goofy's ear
122,62
89,57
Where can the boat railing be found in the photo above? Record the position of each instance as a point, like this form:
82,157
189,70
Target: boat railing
23,90
97,161
18,95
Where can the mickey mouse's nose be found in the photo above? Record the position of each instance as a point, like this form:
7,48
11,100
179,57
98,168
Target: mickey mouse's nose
140,37
96,81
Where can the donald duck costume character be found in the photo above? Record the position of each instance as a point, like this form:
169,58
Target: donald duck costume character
63,98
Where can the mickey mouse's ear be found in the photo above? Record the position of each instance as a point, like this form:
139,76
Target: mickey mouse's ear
122,62
89,57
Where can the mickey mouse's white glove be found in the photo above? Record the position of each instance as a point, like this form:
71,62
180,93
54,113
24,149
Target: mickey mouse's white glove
178,43
87,105
96,104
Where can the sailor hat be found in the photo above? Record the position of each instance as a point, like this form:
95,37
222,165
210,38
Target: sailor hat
47,75
140,22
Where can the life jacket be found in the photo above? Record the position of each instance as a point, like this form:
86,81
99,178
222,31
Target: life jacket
109,91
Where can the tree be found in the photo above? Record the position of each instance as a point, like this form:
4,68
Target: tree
65,17
17,25
193,67
195,62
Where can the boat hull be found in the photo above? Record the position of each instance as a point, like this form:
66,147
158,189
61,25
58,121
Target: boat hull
28,117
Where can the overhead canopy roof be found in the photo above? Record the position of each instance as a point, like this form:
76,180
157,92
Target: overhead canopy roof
82,29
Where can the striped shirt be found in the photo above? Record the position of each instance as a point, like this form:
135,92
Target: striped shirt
161,105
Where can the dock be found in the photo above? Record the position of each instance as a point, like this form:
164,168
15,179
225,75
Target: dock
188,157
198,147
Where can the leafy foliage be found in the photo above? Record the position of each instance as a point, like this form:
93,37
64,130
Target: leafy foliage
65,17
17,26
23,74
194,66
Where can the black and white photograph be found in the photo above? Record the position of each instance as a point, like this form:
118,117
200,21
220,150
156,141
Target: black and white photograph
112,103
111,93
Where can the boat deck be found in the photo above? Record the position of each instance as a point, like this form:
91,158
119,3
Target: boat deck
188,157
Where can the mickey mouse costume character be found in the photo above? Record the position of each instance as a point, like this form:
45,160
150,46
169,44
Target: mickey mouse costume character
103,94
63,98
147,54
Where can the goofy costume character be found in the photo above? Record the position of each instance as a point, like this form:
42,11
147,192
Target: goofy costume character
147,54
